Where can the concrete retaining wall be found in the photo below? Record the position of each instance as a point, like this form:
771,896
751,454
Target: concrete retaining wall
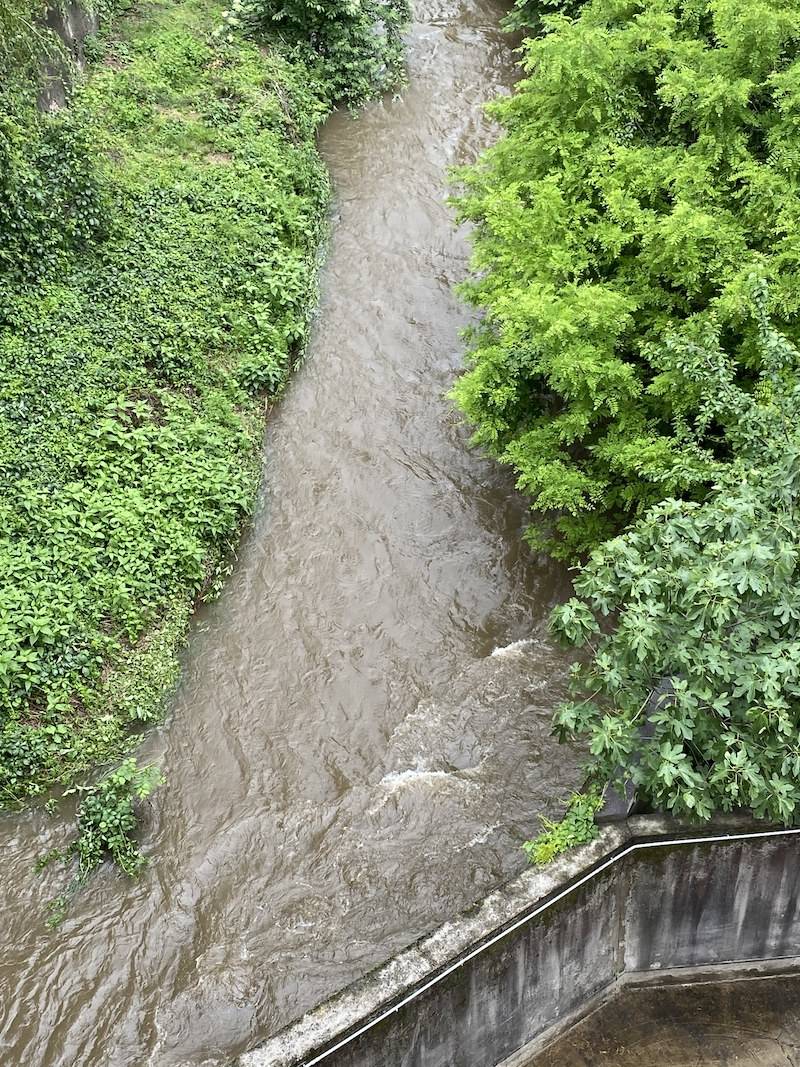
72,23
649,896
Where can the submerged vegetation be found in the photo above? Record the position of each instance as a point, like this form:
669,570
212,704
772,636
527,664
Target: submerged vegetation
106,824
636,257
159,241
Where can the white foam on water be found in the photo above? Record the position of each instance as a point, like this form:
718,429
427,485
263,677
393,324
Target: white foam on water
427,714
480,838
516,648
413,776
396,781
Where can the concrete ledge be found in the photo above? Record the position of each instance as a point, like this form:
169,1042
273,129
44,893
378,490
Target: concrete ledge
649,898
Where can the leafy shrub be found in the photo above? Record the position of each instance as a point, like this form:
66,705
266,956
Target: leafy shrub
106,818
357,43
576,828
649,163
704,597
50,197
107,822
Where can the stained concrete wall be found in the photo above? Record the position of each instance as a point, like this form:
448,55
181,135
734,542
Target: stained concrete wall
647,897
71,23
695,906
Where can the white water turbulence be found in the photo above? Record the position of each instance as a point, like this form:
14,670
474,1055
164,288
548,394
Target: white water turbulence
361,740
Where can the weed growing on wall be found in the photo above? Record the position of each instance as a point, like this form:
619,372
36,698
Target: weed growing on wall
576,828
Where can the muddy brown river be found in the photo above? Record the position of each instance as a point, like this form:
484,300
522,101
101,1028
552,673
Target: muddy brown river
361,739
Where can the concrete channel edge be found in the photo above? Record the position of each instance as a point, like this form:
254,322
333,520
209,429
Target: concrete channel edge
615,910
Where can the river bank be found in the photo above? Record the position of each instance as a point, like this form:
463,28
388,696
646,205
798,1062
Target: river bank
138,357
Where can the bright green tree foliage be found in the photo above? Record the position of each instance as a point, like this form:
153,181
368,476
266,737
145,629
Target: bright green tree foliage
650,160
705,596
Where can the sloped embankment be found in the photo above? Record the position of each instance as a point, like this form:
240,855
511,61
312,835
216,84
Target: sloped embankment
155,288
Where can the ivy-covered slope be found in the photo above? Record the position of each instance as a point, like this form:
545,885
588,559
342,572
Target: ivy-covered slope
158,251
649,165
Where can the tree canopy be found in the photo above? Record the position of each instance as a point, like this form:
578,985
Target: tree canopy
705,597
649,164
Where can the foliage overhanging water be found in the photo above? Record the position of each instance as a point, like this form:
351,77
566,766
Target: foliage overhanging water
362,737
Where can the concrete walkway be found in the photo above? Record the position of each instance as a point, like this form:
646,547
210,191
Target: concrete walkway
754,1023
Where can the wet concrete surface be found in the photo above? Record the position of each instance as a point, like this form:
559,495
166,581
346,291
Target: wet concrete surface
748,1023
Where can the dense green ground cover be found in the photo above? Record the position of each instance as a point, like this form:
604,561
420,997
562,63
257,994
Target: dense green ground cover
649,164
159,242
138,342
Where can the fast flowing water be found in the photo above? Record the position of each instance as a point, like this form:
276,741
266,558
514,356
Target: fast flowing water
361,738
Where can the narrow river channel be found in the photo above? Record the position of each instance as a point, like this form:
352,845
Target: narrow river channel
361,739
